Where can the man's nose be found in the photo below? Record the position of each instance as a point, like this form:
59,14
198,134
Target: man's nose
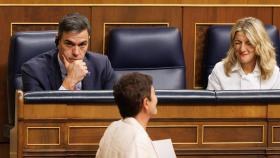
76,50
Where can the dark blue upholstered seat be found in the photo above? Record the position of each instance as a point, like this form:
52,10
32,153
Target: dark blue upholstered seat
154,51
24,46
217,45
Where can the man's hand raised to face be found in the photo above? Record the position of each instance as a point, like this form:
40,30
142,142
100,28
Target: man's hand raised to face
76,71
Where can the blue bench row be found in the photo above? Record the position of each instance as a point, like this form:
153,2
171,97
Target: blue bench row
164,96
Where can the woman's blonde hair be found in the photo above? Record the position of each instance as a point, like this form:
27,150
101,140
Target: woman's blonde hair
255,32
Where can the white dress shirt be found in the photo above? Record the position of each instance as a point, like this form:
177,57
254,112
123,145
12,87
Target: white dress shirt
126,138
238,80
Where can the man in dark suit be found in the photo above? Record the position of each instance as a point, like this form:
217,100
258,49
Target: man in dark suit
70,66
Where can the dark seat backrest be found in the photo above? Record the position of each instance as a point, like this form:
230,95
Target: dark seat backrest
217,45
154,51
24,46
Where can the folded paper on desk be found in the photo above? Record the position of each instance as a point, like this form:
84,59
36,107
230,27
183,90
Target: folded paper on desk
164,148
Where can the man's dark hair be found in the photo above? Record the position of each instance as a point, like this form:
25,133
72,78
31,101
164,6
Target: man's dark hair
130,91
73,22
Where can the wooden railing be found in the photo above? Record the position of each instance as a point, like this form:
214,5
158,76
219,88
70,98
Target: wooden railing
200,123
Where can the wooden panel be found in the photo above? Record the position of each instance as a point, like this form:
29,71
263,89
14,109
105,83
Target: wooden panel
4,150
276,19
211,111
85,135
179,134
17,27
44,111
192,15
102,111
275,134
273,111
43,135
233,134
52,111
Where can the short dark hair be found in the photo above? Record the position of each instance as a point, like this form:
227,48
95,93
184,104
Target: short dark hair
130,91
74,22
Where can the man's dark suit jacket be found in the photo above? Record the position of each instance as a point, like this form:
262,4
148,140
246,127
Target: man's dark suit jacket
43,72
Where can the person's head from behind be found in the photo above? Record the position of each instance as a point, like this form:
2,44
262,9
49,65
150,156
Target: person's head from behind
73,37
250,44
134,93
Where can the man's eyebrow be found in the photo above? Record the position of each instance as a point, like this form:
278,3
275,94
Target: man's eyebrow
68,41
71,42
83,42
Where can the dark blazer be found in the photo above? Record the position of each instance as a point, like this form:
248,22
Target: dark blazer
43,72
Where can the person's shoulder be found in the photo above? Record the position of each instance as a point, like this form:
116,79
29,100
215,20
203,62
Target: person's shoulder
276,72
220,63
97,60
43,57
125,125
40,61
219,66
276,68
114,124
95,56
120,130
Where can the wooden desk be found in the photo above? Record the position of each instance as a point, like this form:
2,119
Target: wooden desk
199,125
